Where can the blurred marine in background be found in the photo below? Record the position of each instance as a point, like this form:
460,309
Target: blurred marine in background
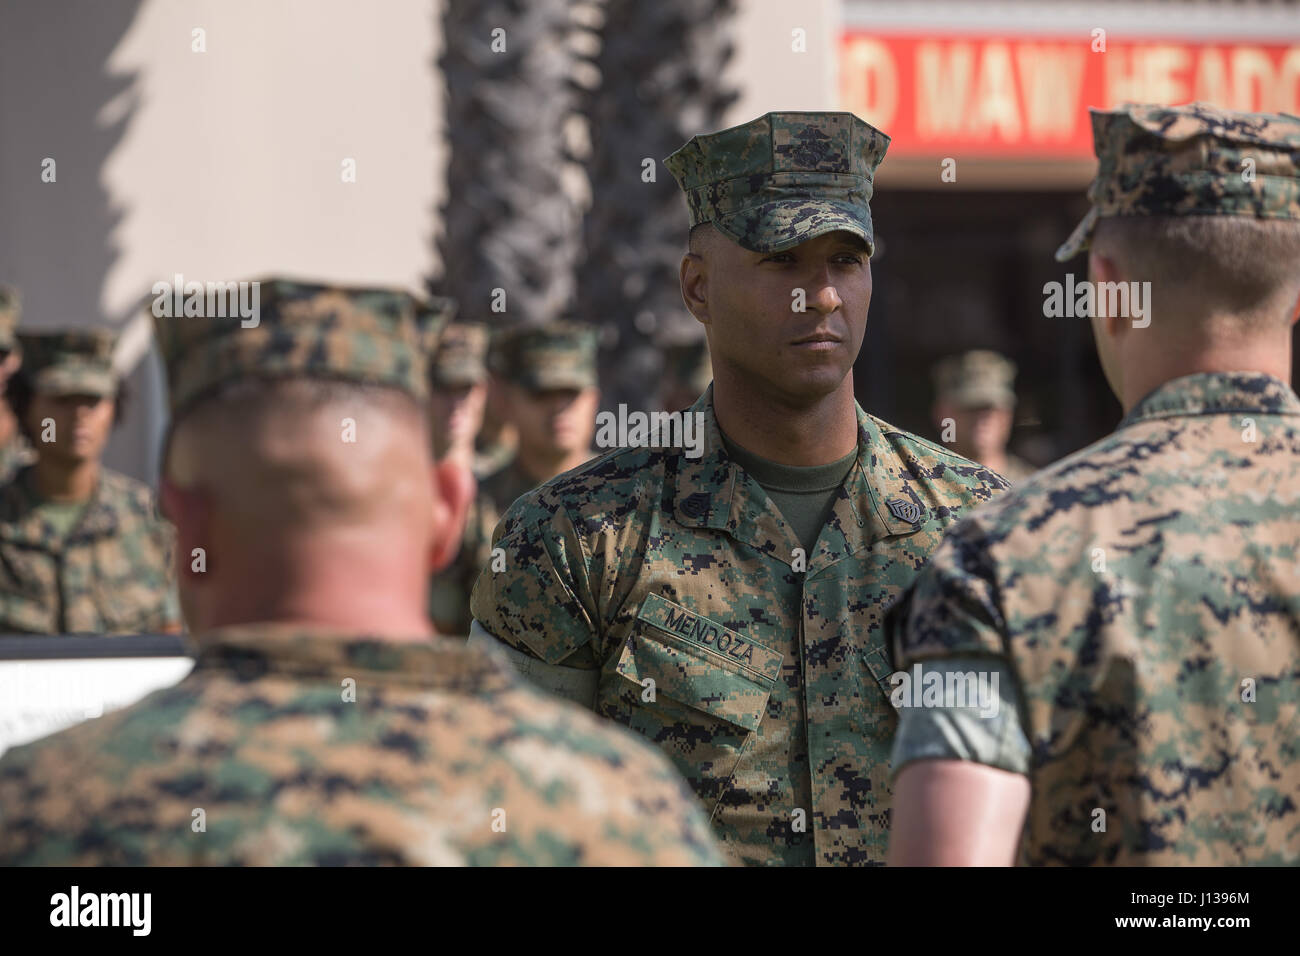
458,389
552,397
975,396
1134,611
15,452
82,548
324,722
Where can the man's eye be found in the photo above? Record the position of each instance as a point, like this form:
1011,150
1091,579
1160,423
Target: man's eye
850,257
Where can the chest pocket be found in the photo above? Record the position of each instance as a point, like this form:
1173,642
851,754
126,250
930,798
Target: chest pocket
709,692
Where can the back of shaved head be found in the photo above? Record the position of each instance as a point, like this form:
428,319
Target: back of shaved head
302,455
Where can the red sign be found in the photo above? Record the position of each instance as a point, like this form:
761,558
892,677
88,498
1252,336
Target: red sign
1029,96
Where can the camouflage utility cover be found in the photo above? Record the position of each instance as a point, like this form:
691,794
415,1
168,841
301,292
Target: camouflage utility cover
1193,160
443,758
676,578
976,379
556,355
304,329
461,357
112,574
75,362
1139,590
783,178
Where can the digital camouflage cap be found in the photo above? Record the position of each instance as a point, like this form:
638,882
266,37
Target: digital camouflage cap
461,358
556,355
304,330
977,379
75,362
783,178
1193,160
11,310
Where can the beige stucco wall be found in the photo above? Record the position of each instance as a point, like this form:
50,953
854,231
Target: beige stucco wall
216,165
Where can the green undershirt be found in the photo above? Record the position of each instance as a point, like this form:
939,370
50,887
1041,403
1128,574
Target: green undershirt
805,496
61,515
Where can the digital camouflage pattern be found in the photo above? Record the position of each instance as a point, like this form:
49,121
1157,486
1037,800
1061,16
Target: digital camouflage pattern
766,693
370,336
112,574
1193,160
556,355
442,758
461,356
74,362
783,178
1139,589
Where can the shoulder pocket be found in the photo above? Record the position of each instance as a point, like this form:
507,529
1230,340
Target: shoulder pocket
700,663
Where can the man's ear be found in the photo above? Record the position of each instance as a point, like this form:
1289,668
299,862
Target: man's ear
190,512
1101,269
695,286
454,488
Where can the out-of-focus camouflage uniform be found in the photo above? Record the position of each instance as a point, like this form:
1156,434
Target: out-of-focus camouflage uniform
16,452
561,355
982,379
460,361
444,758
1142,593
492,455
687,371
112,572
304,745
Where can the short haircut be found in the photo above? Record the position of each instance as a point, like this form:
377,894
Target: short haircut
239,400
19,393
699,236
1209,265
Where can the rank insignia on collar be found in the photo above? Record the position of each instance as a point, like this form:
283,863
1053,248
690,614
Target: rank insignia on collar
905,510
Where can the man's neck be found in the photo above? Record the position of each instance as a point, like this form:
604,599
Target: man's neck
312,586
66,481
815,434
1145,372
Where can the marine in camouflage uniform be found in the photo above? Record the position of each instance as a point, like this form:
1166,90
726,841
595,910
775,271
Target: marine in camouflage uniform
458,367
1137,600
538,361
15,452
975,392
441,756
670,593
100,565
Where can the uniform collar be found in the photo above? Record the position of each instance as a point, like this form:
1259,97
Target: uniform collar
1215,393
714,492
297,650
21,522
